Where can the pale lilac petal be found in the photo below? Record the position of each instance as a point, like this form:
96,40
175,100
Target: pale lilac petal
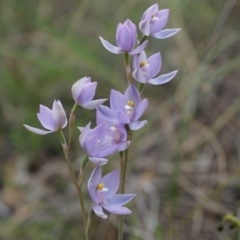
166,33
46,119
137,125
122,117
132,94
94,104
123,146
117,100
163,78
59,115
138,76
144,27
111,48
119,199
142,57
99,211
162,13
107,150
124,38
37,130
87,93
155,64
150,11
91,145
84,134
99,131
140,109
92,192
98,160
111,182
139,48
95,177
78,87
117,210
107,113
159,24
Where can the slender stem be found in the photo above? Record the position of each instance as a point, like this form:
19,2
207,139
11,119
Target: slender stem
77,185
128,68
143,38
71,125
123,170
89,223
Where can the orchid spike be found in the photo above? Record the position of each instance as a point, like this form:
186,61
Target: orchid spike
146,69
83,92
153,21
125,108
103,193
53,120
126,38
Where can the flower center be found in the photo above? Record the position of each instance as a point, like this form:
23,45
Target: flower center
116,134
100,186
129,108
144,66
131,103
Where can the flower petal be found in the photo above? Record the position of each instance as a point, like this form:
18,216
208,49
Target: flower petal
132,94
155,64
138,76
93,104
150,11
111,182
117,100
98,161
122,117
37,130
117,210
46,119
111,48
99,211
87,93
164,78
84,134
119,199
59,115
95,177
139,48
78,87
166,33
107,113
92,192
124,37
137,125
91,145
123,146
140,109
159,24
144,27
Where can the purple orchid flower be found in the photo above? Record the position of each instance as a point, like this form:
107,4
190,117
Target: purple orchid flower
116,133
53,120
83,92
96,144
145,69
125,109
103,193
153,21
126,38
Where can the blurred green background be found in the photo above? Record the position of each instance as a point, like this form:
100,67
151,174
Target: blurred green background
184,165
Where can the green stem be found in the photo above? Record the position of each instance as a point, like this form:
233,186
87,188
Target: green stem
140,87
123,170
89,223
143,38
128,68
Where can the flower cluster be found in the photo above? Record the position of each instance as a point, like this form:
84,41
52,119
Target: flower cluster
116,122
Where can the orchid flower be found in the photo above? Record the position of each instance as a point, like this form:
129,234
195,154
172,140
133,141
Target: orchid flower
103,192
93,142
125,108
126,38
146,69
53,120
83,92
153,21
